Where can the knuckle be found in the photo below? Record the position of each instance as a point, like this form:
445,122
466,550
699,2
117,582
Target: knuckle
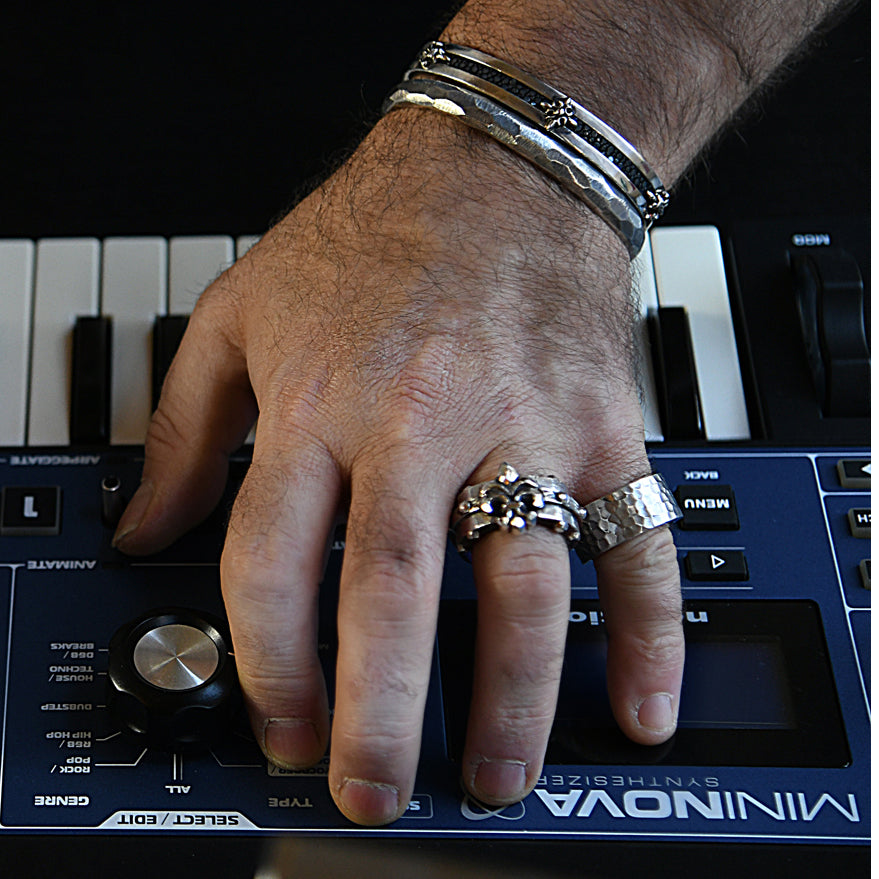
391,556
527,585
381,677
254,557
527,682
166,433
293,682
421,394
648,560
382,740
661,650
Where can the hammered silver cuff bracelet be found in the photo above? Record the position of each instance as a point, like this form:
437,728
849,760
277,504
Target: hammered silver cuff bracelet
582,153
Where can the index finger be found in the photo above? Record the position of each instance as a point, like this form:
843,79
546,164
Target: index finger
388,601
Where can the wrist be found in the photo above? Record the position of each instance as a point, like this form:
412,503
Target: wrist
665,74
474,176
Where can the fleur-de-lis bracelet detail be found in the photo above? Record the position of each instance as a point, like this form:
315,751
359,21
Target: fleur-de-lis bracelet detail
540,123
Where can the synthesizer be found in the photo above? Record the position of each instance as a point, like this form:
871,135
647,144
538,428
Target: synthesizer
773,746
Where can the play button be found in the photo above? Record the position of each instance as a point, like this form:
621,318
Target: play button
718,565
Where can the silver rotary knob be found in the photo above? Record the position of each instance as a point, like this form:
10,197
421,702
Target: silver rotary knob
176,657
172,678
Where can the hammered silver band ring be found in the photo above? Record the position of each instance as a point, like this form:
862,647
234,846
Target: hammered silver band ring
515,503
626,513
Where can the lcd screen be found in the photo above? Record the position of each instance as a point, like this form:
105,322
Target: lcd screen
734,684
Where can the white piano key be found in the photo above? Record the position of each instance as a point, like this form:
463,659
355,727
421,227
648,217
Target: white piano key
16,299
688,262
644,281
243,243
66,286
195,261
134,291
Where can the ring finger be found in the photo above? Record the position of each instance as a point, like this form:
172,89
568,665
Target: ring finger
523,584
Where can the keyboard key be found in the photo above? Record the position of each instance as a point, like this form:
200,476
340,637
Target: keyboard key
690,274
90,390
66,287
864,571
719,565
167,333
707,508
16,296
644,279
194,262
133,292
243,243
854,472
677,385
30,511
859,522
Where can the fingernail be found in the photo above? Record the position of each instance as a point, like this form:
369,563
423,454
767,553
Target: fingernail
657,713
134,512
291,742
500,780
369,802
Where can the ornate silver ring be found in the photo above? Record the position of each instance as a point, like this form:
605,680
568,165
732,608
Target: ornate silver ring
515,503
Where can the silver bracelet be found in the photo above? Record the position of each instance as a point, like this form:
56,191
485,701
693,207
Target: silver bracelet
554,112
567,167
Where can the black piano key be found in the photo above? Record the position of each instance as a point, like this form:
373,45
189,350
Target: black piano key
680,409
167,332
90,380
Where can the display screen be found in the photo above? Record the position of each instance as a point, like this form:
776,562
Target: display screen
741,684
758,689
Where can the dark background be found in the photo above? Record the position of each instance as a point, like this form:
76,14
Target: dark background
152,118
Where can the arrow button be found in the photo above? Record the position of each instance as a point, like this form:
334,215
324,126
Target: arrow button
716,565
854,472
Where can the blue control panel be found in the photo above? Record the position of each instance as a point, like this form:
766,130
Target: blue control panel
773,744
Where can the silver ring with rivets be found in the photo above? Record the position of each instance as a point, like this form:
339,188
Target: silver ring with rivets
515,503
628,512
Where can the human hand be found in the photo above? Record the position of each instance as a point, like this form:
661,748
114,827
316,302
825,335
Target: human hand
432,310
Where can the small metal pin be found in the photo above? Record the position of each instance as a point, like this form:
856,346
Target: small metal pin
112,501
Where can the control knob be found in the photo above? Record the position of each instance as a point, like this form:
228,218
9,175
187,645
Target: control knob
172,678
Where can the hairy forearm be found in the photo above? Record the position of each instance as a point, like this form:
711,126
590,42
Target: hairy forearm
666,74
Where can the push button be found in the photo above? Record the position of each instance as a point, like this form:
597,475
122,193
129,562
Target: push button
859,522
716,564
708,507
30,511
864,571
854,472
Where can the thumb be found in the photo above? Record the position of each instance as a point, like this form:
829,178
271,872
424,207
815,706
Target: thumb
206,409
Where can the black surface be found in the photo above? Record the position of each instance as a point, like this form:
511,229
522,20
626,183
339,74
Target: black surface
158,118
84,857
